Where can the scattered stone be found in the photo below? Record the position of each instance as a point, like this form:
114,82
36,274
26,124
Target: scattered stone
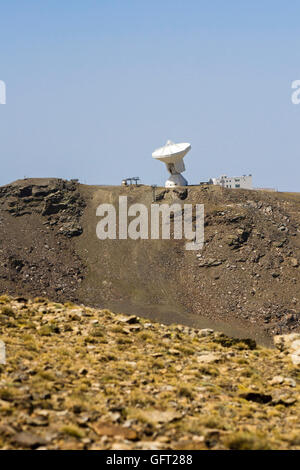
210,262
283,398
157,416
296,359
279,380
162,388
174,352
28,440
294,262
205,332
2,353
181,193
131,319
291,344
4,406
236,240
71,229
133,328
284,342
113,430
290,382
38,421
7,430
209,358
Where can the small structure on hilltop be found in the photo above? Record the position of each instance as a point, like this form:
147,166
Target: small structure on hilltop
172,156
243,182
129,181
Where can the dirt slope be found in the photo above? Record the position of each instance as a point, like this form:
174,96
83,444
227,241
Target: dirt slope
246,277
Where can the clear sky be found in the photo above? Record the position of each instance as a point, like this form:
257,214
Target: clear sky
94,86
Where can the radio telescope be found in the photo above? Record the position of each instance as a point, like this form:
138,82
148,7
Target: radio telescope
172,155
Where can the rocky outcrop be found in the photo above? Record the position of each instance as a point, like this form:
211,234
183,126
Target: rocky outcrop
58,201
289,344
38,220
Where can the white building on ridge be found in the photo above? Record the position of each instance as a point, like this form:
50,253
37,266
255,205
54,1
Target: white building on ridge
243,182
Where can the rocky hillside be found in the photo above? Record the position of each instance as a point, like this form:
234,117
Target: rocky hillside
81,378
246,278
37,220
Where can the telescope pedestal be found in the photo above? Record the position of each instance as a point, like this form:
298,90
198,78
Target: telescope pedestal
176,180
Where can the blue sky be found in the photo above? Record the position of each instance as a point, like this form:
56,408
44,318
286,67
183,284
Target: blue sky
93,87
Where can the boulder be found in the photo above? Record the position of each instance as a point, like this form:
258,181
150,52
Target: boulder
205,332
294,262
290,344
209,358
2,353
284,342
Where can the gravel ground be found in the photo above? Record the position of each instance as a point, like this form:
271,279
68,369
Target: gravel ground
81,378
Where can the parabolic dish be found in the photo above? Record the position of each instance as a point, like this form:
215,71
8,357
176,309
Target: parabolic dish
170,153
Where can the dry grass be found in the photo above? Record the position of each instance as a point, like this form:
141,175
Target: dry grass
71,371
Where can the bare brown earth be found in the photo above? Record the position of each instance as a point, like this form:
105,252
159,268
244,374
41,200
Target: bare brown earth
246,279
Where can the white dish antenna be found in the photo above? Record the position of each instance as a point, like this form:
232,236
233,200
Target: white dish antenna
172,155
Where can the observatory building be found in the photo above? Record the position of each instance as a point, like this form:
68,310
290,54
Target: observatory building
172,156
243,182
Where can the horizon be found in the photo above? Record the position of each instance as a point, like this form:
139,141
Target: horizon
141,185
